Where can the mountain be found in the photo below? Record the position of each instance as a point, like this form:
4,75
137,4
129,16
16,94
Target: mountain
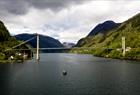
7,42
101,29
68,45
45,41
112,40
4,33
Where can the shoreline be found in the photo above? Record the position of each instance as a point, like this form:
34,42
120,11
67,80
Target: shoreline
119,56
12,61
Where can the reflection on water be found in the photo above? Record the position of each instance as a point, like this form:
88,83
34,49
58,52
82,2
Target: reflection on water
86,75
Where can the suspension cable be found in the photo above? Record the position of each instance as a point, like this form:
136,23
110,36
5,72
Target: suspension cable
23,42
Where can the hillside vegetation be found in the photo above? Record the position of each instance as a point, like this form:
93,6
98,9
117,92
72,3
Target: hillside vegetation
4,33
7,42
109,44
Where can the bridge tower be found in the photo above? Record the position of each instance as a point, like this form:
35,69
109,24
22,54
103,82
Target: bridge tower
123,46
37,50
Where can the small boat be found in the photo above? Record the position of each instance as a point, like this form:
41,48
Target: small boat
64,73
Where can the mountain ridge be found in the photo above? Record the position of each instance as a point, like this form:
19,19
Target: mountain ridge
45,41
101,29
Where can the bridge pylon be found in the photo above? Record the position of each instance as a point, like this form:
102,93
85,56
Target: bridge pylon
123,46
37,50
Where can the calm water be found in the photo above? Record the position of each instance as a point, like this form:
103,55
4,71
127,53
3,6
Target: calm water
87,75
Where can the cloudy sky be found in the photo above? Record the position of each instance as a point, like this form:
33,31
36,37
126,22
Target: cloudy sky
65,20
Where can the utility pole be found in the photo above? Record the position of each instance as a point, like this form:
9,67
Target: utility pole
123,46
37,50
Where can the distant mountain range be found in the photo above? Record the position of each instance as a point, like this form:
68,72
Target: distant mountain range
68,45
44,41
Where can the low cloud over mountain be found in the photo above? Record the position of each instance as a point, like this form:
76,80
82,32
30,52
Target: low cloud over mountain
65,20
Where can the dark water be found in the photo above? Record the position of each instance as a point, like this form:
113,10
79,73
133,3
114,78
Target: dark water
87,75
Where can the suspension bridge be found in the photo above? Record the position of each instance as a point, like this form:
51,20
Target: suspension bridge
37,49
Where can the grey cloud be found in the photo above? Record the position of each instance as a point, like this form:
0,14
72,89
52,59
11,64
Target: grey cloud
54,4
55,35
20,7
13,6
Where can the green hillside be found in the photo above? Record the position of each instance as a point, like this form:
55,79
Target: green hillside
7,42
4,33
109,44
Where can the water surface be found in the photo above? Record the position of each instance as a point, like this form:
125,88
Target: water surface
87,75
